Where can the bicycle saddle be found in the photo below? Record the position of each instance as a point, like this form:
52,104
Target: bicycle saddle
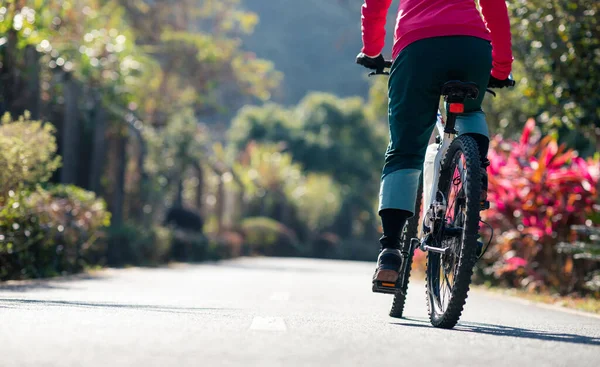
458,91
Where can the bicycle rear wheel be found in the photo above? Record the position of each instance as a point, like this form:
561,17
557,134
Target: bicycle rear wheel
408,251
449,274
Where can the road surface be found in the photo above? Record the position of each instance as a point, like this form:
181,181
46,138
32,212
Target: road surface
272,312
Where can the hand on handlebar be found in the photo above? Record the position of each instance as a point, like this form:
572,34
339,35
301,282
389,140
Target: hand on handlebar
497,83
379,64
374,63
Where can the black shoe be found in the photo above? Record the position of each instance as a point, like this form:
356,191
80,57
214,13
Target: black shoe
388,269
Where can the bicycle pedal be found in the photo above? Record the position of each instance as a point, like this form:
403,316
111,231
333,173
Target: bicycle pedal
485,205
385,287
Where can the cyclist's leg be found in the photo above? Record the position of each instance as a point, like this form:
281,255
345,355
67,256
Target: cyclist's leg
414,93
474,66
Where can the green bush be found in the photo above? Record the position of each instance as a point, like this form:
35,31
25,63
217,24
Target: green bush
318,201
266,236
43,232
226,245
326,246
50,232
132,244
28,154
189,246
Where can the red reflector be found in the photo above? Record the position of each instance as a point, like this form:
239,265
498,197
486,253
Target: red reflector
457,107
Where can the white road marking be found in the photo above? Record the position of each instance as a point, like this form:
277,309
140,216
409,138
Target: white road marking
280,296
268,324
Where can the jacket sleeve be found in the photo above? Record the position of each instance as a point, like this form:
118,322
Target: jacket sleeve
495,14
374,16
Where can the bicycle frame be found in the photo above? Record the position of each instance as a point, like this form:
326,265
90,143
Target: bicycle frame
429,193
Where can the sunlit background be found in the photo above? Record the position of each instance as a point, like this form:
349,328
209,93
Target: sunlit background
139,132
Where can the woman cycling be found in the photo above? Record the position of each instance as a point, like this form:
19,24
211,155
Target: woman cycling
435,41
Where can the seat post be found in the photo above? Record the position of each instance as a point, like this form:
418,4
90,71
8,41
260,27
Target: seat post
455,105
455,93
450,124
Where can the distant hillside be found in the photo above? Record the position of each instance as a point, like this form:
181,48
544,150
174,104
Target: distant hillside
314,43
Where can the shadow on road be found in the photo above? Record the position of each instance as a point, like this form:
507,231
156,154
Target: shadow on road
43,284
11,303
508,331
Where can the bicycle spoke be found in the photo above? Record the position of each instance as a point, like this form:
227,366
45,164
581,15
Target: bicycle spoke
451,195
442,289
446,289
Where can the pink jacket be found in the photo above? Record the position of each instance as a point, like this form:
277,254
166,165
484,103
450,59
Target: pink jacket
419,19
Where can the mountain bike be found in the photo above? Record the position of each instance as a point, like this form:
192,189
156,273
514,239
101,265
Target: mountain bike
447,227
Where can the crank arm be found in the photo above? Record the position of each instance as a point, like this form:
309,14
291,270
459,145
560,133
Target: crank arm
439,250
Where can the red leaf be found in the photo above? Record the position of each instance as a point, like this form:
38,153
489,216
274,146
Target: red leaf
517,261
529,126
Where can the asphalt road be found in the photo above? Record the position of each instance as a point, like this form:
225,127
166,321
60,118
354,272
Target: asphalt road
272,312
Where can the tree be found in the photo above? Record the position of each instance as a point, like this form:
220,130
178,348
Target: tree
329,135
173,150
198,47
556,46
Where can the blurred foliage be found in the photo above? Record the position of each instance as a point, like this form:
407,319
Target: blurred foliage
377,107
558,43
557,51
192,47
134,244
49,231
148,89
28,154
198,47
539,190
147,72
46,233
586,246
325,135
322,129
88,38
317,200
190,246
172,150
266,236
275,187
338,130
267,172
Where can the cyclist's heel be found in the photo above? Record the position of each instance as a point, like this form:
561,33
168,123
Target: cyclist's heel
386,281
386,275
386,287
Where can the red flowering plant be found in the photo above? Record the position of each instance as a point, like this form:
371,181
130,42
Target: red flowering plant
538,190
